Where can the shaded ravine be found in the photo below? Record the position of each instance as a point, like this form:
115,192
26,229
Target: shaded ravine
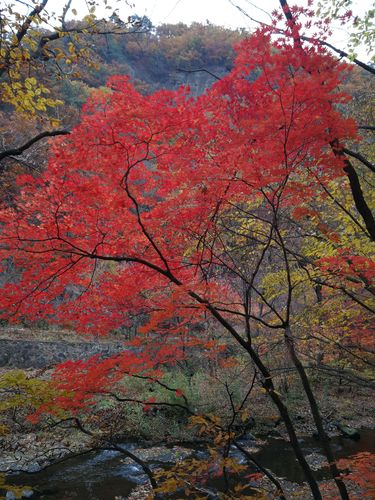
104,475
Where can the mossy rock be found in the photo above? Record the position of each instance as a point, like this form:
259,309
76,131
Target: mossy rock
349,432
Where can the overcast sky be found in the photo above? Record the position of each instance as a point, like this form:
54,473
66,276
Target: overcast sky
221,12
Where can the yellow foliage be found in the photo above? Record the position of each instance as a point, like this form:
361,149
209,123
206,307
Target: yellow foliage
18,391
27,96
191,474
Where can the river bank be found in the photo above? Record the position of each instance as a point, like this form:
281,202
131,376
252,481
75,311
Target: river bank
56,460
109,474
32,448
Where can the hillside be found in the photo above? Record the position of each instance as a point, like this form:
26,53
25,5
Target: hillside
167,56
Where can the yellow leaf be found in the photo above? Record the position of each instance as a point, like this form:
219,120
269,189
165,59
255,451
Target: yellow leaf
244,416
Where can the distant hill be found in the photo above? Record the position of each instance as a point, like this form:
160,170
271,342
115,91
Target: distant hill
164,57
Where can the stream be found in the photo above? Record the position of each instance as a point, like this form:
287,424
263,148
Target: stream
104,475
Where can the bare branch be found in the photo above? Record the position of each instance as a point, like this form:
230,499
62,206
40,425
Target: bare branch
18,151
360,158
202,70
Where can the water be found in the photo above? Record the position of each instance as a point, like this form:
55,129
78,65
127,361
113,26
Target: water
277,455
104,475
97,475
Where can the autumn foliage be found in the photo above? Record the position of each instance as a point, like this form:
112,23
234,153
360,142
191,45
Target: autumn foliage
143,180
176,209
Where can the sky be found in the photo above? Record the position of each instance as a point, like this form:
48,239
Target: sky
219,12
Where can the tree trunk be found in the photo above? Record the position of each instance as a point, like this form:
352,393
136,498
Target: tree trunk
316,415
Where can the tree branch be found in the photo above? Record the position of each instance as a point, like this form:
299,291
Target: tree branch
367,127
360,158
202,70
357,193
271,477
18,151
24,28
340,52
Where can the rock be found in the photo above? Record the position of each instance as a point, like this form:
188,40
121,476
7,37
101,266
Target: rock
27,493
349,432
33,467
165,458
201,455
316,461
249,437
274,433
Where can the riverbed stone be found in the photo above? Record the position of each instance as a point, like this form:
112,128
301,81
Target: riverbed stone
27,493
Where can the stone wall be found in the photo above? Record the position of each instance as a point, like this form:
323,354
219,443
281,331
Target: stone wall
15,353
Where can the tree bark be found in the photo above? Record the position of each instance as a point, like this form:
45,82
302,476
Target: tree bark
289,341
356,189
